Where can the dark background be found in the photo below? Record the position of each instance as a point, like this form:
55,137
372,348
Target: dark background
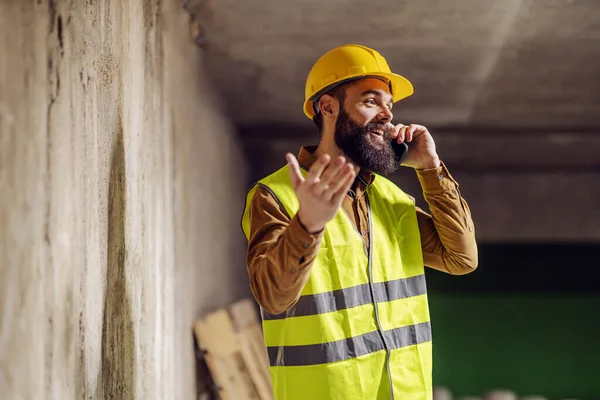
527,319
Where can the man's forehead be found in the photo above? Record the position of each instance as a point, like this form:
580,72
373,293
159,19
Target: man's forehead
371,85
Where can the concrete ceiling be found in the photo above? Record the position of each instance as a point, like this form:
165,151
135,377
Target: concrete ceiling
510,64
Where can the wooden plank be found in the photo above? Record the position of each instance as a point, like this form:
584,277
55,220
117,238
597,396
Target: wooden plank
243,314
224,357
257,345
247,323
260,374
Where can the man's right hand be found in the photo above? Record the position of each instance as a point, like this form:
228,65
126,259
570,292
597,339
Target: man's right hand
320,194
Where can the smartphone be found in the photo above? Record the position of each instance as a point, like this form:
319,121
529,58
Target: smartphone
400,149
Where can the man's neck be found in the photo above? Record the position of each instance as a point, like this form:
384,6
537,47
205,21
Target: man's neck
329,147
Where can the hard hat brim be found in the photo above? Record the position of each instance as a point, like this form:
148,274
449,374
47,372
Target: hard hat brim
401,88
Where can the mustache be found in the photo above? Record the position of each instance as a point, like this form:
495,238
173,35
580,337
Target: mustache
386,128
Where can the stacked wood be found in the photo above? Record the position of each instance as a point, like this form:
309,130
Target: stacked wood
232,343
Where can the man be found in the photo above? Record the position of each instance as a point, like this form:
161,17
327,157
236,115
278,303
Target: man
336,251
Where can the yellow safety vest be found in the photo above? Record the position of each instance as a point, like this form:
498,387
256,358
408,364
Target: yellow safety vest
361,328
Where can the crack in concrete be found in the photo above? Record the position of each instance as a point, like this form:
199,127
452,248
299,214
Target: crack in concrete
52,14
60,35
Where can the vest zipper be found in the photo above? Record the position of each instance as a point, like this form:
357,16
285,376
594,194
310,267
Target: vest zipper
387,348
369,252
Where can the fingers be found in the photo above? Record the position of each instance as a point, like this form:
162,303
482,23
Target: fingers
294,168
345,184
326,180
315,171
406,133
329,176
395,130
401,133
410,132
340,182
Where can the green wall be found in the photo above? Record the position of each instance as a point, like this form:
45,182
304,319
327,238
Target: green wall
542,343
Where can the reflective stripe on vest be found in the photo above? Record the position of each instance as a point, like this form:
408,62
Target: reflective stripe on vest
352,347
353,296
360,329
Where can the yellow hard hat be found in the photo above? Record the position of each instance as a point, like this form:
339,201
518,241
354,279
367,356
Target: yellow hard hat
346,63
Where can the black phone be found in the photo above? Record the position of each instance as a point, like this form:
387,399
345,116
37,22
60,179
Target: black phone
400,149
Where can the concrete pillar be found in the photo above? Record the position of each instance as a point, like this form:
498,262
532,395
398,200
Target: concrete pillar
121,187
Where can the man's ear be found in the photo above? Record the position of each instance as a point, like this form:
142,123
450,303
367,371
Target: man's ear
327,106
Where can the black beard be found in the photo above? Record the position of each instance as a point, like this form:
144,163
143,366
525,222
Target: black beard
353,139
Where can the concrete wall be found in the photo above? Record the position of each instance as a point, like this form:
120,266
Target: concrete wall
121,188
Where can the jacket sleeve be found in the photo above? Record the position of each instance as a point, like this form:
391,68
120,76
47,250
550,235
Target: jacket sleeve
447,233
280,254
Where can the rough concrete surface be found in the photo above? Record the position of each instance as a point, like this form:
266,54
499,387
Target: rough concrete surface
121,188
511,64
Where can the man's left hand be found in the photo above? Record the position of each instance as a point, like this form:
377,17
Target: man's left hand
421,147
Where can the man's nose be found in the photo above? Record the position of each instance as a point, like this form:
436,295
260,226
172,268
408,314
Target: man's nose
385,115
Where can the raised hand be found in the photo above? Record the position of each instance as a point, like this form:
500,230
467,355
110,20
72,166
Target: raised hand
320,194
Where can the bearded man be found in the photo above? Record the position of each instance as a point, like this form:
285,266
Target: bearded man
336,251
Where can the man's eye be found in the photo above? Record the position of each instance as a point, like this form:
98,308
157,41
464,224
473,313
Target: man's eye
370,101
